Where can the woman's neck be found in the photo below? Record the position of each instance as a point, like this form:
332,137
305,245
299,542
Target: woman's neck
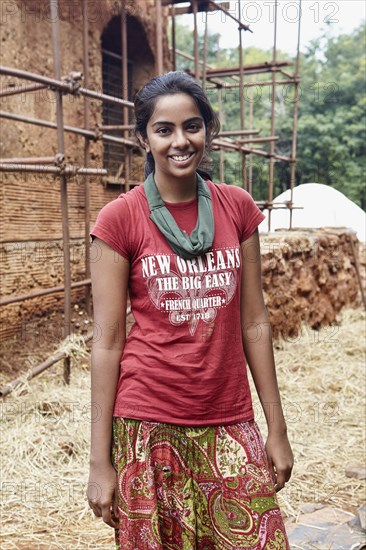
176,190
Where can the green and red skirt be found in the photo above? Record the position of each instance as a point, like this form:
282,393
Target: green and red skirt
194,488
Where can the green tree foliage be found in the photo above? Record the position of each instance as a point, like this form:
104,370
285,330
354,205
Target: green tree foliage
331,136
331,120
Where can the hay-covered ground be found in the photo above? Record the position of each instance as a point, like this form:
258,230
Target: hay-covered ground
45,439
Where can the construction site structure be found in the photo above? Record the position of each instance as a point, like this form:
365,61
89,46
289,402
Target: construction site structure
133,39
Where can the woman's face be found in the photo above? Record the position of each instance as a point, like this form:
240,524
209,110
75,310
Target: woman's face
176,137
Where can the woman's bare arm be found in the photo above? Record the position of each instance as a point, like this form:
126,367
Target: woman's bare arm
257,342
109,273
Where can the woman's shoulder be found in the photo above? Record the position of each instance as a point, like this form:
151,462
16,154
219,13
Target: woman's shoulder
231,191
133,195
123,202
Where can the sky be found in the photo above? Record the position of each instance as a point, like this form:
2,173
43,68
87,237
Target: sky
338,17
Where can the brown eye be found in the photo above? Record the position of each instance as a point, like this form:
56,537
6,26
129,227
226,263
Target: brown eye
194,127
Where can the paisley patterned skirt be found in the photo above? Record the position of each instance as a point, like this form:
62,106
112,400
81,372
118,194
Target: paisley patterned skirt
188,488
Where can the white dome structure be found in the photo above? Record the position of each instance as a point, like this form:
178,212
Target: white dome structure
321,206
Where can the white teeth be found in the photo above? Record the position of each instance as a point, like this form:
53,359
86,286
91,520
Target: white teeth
185,157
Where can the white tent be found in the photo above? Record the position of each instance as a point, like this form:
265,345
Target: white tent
322,206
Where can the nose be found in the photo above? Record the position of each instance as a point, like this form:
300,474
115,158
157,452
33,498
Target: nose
180,139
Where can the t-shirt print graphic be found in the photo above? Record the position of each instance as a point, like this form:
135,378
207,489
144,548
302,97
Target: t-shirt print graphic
190,291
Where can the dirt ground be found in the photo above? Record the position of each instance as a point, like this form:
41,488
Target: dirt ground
45,436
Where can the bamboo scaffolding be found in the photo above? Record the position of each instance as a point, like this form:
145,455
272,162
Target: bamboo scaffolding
29,160
186,55
96,135
35,371
295,117
112,127
241,94
217,143
15,90
159,38
173,48
250,176
202,7
49,362
230,85
256,68
238,133
86,155
242,26
258,140
195,40
61,85
67,169
205,42
221,118
127,151
70,84
273,120
63,179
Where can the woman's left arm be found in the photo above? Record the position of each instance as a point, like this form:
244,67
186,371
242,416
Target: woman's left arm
258,349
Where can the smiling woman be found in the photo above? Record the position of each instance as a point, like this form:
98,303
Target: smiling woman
176,455
176,139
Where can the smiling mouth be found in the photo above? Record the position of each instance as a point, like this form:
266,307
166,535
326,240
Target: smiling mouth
181,158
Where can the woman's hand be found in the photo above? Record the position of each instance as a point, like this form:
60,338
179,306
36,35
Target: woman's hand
280,459
102,493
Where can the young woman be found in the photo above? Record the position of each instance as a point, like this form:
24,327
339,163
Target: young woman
177,461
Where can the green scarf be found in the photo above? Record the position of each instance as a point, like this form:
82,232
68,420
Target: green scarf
202,236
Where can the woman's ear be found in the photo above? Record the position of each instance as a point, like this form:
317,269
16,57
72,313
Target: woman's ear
144,142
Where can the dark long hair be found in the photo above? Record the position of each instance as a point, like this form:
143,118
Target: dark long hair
175,82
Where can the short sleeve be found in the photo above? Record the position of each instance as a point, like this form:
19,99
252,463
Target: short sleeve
247,212
112,226
251,216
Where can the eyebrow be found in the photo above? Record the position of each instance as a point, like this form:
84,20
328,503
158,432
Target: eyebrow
172,123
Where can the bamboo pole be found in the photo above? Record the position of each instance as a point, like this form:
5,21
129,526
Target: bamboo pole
254,68
63,179
16,90
258,83
221,154
61,85
273,121
35,371
127,156
237,147
86,154
258,140
221,117
251,111
173,48
66,170
295,118
238,133
241,95
29,160
241,25
159,38
49,362
74,130
112,127
204,66
195,37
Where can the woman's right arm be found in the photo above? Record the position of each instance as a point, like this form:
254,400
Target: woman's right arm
109,274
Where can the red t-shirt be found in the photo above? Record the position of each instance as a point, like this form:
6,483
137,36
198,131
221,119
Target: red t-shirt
183,361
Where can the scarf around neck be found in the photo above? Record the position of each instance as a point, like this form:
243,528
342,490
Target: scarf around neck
202,236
